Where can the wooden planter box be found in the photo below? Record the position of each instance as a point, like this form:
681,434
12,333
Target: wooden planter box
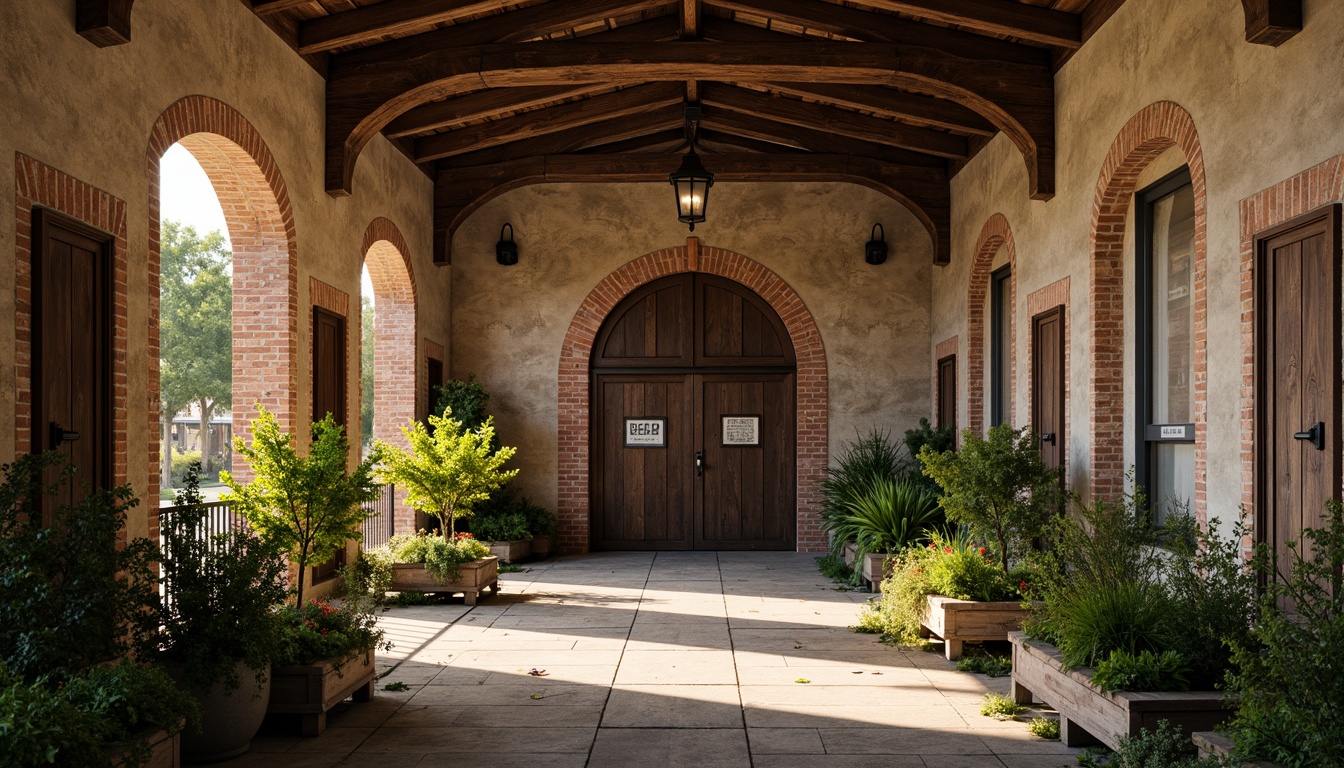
870,570
472,580
957,621
165,751
1214,744
542,546
510,551
311,690
1088,715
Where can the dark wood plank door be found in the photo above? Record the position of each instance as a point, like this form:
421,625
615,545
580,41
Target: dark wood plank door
71,367
947,393
746,484
643,492
1047,383
1298,379
328,365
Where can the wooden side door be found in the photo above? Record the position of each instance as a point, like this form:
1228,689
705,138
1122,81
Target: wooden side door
328,365
1047,383
947,393
1298,376
643,483
745,472
71,343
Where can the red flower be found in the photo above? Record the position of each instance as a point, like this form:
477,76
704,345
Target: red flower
982,550
948,550
1022,585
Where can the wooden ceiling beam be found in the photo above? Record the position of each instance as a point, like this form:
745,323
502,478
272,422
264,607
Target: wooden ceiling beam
459,192
481,105
887,102
817,117
1272,22
271,7
661,142
570,140
104,22
364,96
717,142
1028,23
388,18
516,26
1016,93
611,106
766,129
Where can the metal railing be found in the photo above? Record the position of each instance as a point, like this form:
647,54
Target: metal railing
380,523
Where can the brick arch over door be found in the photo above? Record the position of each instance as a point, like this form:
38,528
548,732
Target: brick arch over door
1155,129
573,447
996,235
256,207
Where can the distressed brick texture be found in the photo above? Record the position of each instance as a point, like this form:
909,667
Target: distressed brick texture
1317,186
256,207
812,404
1051,296
996,235
1155,129
396,378
39,185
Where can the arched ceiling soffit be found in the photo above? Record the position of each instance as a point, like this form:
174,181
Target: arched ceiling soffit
489,95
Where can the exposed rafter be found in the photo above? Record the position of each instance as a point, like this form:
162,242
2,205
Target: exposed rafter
909,107
571,140
104,22
1272,22
924,191
388,18
272,7
838,122
612,106
766,129
481,105
1032,24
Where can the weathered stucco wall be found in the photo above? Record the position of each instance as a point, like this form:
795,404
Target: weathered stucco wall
509,322
88,112
1263,114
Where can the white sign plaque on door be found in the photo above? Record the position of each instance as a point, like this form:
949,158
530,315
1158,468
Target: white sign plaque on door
645,433
741,430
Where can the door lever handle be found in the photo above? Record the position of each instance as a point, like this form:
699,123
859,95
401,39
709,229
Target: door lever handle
699,464
1048,437
59,434
1316,435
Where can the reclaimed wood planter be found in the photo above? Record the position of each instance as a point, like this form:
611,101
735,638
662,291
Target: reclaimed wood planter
472,579
165,751
510,551
957,621
870,570
1214,744
311,690
1088,715
542,546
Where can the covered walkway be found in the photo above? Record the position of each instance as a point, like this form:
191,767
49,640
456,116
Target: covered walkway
674,659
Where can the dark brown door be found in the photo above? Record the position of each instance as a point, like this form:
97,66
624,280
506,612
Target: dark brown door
1298,381
1047,383
328,365
693,420
71,367
947,393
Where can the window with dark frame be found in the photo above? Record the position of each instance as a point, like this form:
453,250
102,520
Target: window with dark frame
947,393
1000,346
1164,365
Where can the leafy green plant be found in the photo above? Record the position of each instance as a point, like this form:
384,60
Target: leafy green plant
939,440
320,630
369,576
869,458
833,567
999,486
464,401
985,664
396,686
443,557
887,515
307,506
897,612
508,526
1288,676
1165,747
962,569
1044,728
222,589
1213,594
69,596
1000,707
1145,671
1100,618
445,474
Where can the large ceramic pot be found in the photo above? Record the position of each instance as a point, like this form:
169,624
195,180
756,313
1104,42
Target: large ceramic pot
229,719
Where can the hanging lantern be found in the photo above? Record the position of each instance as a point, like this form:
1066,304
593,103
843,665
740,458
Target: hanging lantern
691,181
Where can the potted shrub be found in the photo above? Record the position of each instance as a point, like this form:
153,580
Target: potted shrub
1133,624
310,506
430,563
220,627
78,622
540,525
1002,491
883,517
326,655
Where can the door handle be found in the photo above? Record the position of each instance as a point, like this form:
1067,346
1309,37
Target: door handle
699,464
59,434
1316,435
1048,437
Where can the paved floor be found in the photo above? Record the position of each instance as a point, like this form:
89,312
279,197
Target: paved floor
682,659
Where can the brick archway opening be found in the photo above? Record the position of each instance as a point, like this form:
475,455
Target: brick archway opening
255,201
387,259
995,236
1155,129
574,398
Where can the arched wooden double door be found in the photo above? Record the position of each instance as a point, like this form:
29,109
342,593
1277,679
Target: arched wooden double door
693,420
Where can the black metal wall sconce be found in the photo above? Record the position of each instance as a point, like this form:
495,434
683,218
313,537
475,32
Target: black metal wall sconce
506,251
875,252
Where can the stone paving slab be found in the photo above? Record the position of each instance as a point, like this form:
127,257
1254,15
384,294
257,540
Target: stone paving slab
661,660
